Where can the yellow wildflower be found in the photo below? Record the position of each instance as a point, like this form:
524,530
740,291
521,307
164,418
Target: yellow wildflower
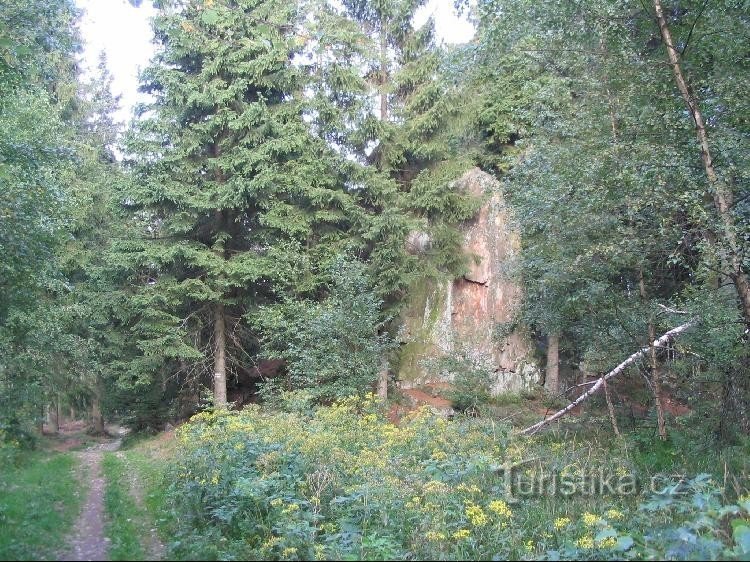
434,536
289,552
291,508
476,515
462,534
614,514
414,502
276,502
271,542
589,519
439,455
500,508
561,522
320,552
435,486
585,542
529,546
609,542
473,489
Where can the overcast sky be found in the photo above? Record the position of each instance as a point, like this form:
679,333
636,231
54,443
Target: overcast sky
124,34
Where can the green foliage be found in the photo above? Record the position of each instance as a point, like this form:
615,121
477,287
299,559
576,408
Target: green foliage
342,482
471,381
608,188
122,513
331,348
39,499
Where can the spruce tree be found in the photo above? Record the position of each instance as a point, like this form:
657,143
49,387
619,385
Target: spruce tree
240,203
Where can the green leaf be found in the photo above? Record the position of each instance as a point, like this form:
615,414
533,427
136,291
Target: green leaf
210,17
741,536
623,543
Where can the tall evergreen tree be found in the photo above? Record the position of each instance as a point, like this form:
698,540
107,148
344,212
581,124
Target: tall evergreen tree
242,204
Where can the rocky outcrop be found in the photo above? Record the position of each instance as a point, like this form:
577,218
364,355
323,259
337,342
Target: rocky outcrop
477,314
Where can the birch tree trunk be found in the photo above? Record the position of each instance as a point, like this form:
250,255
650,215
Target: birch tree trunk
723,196
220,358
552,373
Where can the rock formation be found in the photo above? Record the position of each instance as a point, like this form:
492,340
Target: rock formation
477,314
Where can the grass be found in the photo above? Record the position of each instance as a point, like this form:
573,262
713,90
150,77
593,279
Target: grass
39,499
130,519
123,515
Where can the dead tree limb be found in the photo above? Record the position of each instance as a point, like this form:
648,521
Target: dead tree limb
671,334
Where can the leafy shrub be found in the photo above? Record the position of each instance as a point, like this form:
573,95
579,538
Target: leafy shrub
471,380
343,483
331,348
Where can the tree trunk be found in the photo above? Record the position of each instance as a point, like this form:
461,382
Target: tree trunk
552,373
656,383
53,419
97,421
723,196
383,72
383,381
611,410
654,364
220,358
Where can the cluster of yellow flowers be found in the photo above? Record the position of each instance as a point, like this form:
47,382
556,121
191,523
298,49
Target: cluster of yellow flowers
462,534
291,508
434,536
608,542
439,455
586,542
589,519
435,487
468,489
500,508
561,523
476,515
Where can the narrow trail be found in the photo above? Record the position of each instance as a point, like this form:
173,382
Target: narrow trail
87,540
152,544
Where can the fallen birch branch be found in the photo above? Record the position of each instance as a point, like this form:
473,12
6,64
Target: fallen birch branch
671,334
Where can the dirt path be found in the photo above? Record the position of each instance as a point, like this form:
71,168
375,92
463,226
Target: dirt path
152,545
87,541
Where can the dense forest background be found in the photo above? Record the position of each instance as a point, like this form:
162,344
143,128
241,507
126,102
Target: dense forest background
245,247
265,196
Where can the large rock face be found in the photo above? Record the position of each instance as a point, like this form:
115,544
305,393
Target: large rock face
477,313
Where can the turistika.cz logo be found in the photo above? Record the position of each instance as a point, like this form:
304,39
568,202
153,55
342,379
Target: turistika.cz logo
522,480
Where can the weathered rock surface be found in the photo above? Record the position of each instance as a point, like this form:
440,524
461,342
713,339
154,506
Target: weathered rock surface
476,314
